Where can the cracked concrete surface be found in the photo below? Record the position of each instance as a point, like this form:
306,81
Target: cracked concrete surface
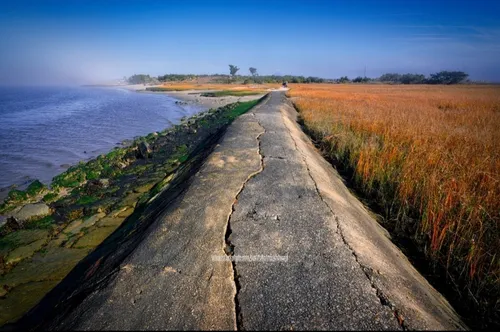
265,191
280,213
229,248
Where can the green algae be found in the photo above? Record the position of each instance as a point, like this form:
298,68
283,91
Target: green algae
35,188
15,196
50,197
21,238
85,200
46,222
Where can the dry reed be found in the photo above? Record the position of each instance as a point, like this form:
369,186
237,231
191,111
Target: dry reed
430,156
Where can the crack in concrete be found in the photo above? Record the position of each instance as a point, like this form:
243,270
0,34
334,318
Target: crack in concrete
366,270
229,247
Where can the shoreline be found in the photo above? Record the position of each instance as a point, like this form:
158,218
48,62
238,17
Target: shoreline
194,96
187,97
60,226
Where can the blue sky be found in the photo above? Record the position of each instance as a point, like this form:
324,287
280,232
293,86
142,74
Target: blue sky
87,41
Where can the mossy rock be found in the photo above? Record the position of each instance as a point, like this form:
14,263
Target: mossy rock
94,237
26,251
75,213
65,201
58,241
110,221
139,169
22,298
46,222
104,205
52,264
131,199
144,188
32,211
21,238
92,175
71,240
126,213
16,196
143,199
162,184
50,197
5,207
111,171
115,154
86,200
35,188
150,138
69,179
70,213
78,225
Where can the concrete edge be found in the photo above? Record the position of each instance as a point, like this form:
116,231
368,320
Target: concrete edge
416,304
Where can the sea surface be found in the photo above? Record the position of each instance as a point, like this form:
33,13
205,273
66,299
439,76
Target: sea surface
45,129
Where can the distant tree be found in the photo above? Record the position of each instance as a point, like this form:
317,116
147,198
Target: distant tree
412,79
360,79
297,79
390,77
343,79
312,79
140,79
233,69
447,77
253,71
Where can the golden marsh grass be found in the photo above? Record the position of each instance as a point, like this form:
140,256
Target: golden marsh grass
430,156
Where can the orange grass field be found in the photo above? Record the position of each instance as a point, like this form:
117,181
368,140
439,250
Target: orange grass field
430,157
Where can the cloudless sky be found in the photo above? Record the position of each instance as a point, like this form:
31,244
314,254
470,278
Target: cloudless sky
91,41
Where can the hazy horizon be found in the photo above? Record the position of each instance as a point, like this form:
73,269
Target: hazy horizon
79,42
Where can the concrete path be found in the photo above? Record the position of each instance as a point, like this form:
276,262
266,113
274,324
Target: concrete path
265,237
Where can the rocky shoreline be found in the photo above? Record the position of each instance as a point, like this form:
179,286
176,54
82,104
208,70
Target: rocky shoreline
48,230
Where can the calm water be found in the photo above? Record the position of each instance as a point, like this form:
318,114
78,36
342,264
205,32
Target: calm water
44,128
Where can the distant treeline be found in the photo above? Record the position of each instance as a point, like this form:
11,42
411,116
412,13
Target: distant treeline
442,77
246,79
177,77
